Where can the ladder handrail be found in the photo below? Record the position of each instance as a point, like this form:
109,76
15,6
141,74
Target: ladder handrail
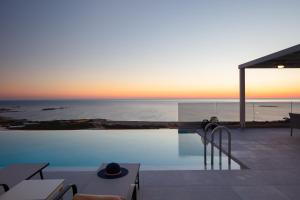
220,130
205,139
209,125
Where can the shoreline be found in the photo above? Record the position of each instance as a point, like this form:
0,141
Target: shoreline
104,124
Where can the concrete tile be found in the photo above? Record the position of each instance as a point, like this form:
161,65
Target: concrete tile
292,191
179,178
259,193
189,193
280,177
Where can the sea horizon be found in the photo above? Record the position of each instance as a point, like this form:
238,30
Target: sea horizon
150,99
172,109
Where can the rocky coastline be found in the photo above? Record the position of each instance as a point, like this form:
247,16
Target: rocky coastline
79,124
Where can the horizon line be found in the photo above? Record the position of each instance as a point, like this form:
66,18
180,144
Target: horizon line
154,98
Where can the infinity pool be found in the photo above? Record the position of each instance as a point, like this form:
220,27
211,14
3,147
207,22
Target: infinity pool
157,149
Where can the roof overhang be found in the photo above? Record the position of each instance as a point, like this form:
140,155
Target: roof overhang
289,58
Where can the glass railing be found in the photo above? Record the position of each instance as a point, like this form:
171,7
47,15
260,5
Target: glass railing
229,111
270,111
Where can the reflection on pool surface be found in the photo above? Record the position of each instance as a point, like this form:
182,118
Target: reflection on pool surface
154,149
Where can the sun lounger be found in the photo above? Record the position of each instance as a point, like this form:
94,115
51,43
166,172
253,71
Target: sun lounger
13,174
294,121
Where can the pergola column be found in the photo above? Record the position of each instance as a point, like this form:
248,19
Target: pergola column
242,98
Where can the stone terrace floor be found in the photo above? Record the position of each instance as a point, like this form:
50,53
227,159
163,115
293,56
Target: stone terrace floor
271,154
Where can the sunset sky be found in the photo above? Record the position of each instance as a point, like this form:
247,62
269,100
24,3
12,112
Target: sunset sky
144,49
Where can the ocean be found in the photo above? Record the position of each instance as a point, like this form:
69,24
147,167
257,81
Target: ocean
149,110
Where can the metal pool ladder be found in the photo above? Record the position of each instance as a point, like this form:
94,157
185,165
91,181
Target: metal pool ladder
218,129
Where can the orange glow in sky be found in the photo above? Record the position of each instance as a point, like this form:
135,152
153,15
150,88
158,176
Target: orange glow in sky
283,84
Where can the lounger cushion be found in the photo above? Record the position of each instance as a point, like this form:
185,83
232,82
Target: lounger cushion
96,197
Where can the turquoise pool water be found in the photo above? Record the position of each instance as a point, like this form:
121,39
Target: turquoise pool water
154,149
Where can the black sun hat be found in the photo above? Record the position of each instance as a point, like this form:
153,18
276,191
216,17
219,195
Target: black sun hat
112,170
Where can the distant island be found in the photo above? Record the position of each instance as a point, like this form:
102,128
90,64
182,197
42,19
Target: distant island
14,109
3,110
58,108
268,106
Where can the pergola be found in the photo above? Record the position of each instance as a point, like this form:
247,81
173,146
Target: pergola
287,58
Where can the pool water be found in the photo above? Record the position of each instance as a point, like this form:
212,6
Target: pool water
157,149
